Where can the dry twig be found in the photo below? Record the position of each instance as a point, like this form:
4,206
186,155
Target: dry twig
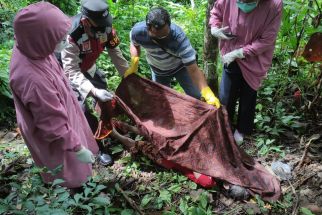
300,182
295,208
128,199
307,146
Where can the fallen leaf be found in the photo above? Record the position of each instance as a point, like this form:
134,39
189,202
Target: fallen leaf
2,133
194,194
19,206
10,136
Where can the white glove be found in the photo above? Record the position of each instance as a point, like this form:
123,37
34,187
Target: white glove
102,95
231,56
85,156
220,33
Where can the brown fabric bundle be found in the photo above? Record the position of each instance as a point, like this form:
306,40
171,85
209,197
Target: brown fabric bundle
193,134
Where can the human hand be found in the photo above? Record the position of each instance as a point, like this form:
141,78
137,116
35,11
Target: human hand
220,33
102,95
85,156
231,56
133,67
210,97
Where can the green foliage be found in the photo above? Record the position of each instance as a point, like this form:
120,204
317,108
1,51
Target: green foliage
298,20
69,7
33,197
306,211
168,191
5,55
127,13
7,113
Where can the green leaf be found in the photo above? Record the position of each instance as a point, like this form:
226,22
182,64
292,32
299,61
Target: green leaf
127,212
60,190
203,199
77,197
99,188
43,209
259,107
91,184
57,212
57,181
87,191
86,207
104,201
165,196
306,211
29,205
197,211
116,149
158,203
192,185
175,188
3,208
146,199
183,206
62,197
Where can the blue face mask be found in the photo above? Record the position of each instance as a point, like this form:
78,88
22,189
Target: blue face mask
246,7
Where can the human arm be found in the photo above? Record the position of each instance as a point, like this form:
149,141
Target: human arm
267,39
71,61
135,51
199,80
216,14
215,21
118,59
188,57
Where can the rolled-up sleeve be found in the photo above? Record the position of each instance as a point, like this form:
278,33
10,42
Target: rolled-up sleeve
71,61
118,60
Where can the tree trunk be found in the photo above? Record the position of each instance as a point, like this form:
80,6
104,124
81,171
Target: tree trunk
210,52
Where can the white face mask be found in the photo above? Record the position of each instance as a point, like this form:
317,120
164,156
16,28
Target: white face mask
61,45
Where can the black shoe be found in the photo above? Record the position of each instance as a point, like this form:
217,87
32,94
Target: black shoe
105,159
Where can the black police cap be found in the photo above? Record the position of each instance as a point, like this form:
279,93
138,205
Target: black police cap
98,12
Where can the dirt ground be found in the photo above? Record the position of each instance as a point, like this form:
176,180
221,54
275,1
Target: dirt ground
305,185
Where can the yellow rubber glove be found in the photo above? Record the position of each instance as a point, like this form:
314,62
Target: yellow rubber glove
133,68
210,97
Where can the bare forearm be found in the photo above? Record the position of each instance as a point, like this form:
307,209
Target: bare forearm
135,51
197,76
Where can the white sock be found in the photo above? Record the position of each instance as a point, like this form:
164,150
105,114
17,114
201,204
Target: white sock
239,137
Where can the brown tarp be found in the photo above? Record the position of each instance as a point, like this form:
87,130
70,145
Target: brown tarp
193,134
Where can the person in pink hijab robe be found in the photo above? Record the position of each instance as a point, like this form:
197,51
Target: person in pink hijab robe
50,120
247,31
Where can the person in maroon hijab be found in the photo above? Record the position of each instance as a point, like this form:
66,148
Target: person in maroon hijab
49,117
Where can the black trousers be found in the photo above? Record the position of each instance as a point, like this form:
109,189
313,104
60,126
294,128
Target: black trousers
233,88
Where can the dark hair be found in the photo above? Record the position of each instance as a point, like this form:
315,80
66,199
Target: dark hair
157,18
